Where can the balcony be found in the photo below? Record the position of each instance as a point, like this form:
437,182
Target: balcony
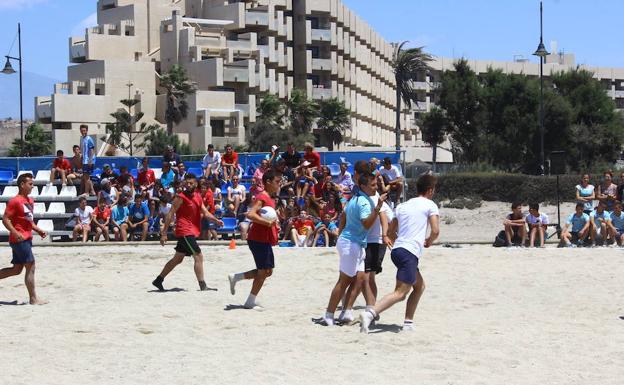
236,74
321,35
321,64
257,18
321,93
78,51
43,107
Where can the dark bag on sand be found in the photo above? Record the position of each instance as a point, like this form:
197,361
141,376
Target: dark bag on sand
499,240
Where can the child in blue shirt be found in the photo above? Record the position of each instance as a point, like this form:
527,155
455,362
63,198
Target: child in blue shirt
616,223
576,228
325,232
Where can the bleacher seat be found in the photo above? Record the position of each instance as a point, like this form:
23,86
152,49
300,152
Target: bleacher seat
34,193
56,208
334,169
247,186
229,226
49,191
135,173
46,225
198,172
3,230
24,172
10,191
6,176
2,208
157,172
68,192
39,208
43,176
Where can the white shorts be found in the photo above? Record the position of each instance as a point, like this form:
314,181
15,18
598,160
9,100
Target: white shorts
352,256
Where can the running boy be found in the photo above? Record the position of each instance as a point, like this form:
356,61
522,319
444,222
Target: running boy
18,219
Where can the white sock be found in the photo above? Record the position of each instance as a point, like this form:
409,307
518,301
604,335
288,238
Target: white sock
347,313
251,300
329,318
239,277
372,311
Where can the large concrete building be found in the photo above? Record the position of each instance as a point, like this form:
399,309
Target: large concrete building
235,51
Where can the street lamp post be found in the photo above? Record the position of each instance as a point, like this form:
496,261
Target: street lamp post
8,70
542,53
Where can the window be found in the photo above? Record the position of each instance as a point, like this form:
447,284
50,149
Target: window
316,52
218,128
200,120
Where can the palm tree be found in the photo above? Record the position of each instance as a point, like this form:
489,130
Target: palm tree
434,128
407,65
178,87
302,112
334,120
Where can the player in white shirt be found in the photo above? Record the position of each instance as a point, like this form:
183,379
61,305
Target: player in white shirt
538,223
211,162
82,215
409,229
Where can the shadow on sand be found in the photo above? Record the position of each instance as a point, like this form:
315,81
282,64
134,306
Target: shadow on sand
172,290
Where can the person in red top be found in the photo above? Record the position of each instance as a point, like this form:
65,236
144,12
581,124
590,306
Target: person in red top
61,167
302,229
101,219
209,229
261,238
312,156
229,163
146,178
188,208
18,219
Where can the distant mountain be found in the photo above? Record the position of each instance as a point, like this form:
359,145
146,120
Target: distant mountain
34,85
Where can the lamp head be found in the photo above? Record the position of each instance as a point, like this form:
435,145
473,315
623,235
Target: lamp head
8,68
541,50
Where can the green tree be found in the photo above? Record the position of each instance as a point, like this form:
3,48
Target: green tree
408,65
177,86
334,120
301,112
269,126
157,141
37,142
434,127
124,133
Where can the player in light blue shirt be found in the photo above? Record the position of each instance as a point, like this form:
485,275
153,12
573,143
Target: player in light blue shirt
616,223
599,218
576,228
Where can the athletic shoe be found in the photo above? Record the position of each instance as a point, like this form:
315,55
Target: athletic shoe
327,321
346,317
232,284
256,307
366,318
158,283
409,327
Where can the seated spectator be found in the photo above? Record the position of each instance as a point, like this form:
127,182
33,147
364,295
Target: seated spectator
515,226
616,223
576,228
82,216
126,185
153,221
288,179
108,174
304,182
585,194
302,229
538,223
325,233
61,167
163,209
123,174
209,229
119,220
138,217
76,163
287,211
243,221
167,178
273,156
211,163
172,158
392,180
332,207
312,206
236,194
291,158
607,191
181,171
101,219
229,163
257,176
216,194
620,189
345,181
108,193
146,178
313,157
598,227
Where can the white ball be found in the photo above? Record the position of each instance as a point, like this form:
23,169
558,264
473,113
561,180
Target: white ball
268,213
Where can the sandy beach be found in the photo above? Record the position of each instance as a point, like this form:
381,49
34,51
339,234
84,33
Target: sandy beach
488,316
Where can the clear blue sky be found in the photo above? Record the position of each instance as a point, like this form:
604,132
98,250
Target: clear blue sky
475,29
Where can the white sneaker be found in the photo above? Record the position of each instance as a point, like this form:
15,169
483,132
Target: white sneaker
232,284
255,306
408,327
365,320
327,321
346,316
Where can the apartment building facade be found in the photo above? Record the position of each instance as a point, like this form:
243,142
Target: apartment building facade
235,51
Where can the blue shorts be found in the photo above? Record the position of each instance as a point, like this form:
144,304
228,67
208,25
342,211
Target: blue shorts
407,265
22,252
87,169
262,254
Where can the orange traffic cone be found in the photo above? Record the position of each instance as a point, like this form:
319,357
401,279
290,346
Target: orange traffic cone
232,244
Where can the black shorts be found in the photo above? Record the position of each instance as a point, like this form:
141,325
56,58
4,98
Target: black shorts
262,254
375,253
188,246
22,252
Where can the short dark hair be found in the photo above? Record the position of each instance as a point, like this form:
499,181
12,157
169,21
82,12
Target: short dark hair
123,168
579,206
59,153
228,146
387,160
76,147
82,198
84,126
365,178
534,206
362,167
516,204
270,175
138,196
617,204
425,183
211,146
22,178
189,175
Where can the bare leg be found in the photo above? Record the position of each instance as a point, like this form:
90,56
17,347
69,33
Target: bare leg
258,280
11,271
124,232
63,177
144,232
414,297
198,266
400,292
29,280
338,292
171,264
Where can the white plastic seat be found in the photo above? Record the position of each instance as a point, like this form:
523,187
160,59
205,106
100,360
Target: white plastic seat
68,192
43,176
3,230
2,208
46,225
10,191
34,193
24,172
49,191
157,172
39,208
56,208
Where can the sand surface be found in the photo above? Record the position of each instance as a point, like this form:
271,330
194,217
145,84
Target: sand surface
488,316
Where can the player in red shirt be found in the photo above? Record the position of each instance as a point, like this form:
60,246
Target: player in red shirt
229,163
261,237
146,178
101,219
61,167
188,208
18,219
